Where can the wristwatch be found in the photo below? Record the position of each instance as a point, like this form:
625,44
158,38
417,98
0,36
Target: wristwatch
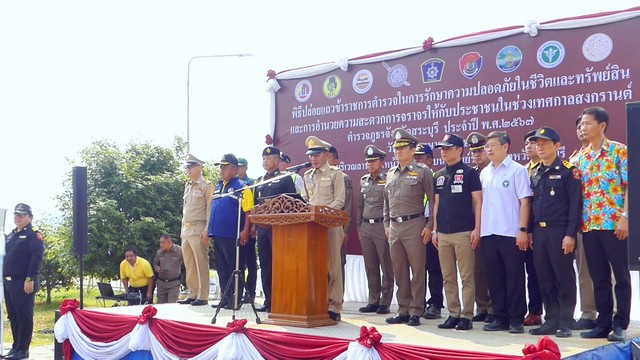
523,229
625,214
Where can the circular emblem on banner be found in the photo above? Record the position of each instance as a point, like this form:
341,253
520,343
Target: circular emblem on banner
509,59
550,54
362,81
303,90
597,47
332,86
397,75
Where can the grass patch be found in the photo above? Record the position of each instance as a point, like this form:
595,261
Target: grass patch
43,316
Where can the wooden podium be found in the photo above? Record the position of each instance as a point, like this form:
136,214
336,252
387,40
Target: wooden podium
299,294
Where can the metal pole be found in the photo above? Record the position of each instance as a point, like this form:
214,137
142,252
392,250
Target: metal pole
3,213
188,81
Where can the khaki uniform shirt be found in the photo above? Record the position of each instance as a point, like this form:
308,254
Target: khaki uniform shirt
405,190
371,197
325,186
197,203
170,263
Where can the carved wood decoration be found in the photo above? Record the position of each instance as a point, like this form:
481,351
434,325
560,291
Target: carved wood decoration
284,210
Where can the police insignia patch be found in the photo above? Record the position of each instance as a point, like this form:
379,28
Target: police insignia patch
576,173
39,236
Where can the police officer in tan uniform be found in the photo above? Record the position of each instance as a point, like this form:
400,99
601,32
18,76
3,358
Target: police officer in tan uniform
348,207
195,243
374,244
324,185
406,227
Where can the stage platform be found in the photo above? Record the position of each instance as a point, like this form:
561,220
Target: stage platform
427,334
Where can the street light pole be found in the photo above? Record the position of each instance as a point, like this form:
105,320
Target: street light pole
189,79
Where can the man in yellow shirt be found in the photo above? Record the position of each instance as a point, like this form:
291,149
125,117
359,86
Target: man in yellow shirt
137,276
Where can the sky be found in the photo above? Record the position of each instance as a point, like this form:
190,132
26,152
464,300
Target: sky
73,72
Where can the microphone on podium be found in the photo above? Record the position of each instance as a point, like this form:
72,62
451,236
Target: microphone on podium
297,168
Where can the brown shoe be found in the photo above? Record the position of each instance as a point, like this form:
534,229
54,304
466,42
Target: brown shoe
532,319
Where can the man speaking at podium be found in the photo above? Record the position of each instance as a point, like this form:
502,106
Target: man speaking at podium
269,189
324,185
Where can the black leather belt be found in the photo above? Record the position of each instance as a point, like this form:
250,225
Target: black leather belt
400,219
373,221
169,280
544,224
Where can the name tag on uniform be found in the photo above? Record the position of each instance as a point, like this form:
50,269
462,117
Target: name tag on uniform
326,178
456,189
22,236
555,177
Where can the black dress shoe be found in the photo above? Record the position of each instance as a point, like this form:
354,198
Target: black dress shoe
480,316
199,302
432,312
264,308
450,323
398,319
564,332
495,326
490,318
186,301
334,316
248,298
382,309
414,320
547,328
617,334
19,354
584,324
369,308
516,329
595,333
464,324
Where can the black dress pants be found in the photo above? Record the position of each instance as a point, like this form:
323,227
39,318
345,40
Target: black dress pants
265,253
225,256
434,277
248,252
19,311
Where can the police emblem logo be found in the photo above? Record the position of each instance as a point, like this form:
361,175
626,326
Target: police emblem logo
470,64
505,183
311,143
230,190
440,181
458,179
303,90
268,150
541,131
369,151
362,81
332,86
432,70
397,75
550,54
398,135
597,47
509,59
474,139
446,137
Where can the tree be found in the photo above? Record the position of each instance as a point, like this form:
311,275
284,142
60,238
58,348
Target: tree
57,264
135,195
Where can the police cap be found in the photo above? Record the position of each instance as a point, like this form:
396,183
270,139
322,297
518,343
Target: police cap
476,141
403,138
285,158
371,152
424,149
193,161
243,162
528,135
270,150
227,159
450,140
546,133
316,146
23,209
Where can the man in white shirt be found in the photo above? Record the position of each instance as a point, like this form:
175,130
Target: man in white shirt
506,191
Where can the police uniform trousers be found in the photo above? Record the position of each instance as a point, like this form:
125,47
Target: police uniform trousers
376,255
504,261
585,284
483,298
434,280
167,291
336,291
225,257
535,298
456,254
20,311
604,253
248,252
265,254
343,262
408,253
196,260
557,279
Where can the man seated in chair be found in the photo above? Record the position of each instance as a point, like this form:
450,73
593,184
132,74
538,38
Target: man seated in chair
137,277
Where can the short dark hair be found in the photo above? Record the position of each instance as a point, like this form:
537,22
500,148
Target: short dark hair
133,250
502,136
334,151
166,237
598,113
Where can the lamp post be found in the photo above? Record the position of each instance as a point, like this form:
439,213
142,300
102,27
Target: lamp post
188,81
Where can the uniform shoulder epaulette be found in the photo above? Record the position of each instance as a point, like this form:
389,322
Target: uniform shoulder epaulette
392,169
308,171
567,164
364,177
537,165
334,167
421,165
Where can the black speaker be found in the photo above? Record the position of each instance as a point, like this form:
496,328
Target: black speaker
80,210
633,166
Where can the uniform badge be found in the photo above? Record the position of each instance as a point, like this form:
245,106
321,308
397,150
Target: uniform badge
230,190
39,236
455,189
432,70
440,181
459,171
555,177
369,151
505,184
576,173
470,64
458,179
